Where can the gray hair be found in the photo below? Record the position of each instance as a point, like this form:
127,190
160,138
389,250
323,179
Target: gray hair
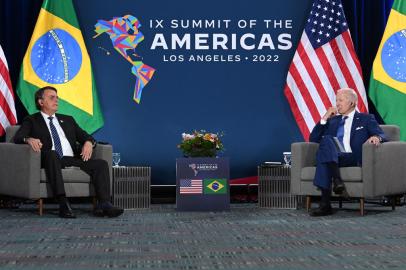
350,93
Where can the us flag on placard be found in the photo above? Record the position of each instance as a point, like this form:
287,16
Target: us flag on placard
325,61
191,186
8,114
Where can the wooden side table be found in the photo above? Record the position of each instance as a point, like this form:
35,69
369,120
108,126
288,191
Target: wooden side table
132,187
274,188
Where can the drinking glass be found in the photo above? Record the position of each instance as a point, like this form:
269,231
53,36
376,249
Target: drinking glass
287,156
116,159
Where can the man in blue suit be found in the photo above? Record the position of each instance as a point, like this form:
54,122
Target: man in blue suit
341,133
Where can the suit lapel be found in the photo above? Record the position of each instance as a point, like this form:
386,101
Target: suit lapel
44,128
67,130
355,124
61,122
334,125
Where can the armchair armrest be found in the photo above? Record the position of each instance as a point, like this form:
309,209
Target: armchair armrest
105,151
303,155
383,169
19,171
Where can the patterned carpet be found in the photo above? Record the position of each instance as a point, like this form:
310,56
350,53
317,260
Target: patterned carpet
246,237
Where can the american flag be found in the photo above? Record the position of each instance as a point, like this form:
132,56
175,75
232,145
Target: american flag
188,186
325,61
8,114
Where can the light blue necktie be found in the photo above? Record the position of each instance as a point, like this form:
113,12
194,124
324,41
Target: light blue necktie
340,130
55,137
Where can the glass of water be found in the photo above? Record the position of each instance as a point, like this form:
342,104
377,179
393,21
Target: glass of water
116,159
287,156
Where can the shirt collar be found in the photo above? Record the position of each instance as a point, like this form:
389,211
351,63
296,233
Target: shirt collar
350,115
46,116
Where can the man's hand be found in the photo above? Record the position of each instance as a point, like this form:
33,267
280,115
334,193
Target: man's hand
35,144
374,140
330,113
87,150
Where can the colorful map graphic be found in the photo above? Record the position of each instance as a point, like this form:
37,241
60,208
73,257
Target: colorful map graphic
125,36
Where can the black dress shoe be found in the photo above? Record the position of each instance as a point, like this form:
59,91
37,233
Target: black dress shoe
108,211
65,211
322,211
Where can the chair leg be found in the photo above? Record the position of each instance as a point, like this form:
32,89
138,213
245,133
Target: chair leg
40,206
340,203
393,200
308,203
361,206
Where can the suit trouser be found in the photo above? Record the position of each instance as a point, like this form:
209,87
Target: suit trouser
98,169
327,153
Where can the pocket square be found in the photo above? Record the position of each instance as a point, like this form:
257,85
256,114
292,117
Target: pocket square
358,128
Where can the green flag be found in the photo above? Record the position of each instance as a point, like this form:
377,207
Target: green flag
57,56
215,186
387,87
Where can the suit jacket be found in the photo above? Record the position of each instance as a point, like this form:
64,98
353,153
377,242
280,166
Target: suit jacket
34,126
363,126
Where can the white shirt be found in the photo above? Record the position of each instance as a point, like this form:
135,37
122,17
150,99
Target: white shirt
66,148
347,130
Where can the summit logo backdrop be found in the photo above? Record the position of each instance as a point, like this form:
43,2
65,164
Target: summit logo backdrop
211,40
125,36
215,65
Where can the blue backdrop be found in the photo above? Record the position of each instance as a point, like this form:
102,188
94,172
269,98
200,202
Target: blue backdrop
243,99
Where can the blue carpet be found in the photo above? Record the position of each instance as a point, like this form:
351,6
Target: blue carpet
246,237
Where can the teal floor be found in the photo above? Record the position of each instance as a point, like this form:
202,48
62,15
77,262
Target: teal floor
246,237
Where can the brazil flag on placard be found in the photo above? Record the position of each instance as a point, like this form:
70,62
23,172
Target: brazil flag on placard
57,56
215,186
387,87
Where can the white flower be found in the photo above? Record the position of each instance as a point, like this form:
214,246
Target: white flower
186,136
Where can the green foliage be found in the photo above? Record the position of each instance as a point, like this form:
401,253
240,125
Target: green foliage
201,144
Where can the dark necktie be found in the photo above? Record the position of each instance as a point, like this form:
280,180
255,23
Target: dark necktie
340,130
55,137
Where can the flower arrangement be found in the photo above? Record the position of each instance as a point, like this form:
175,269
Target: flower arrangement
201,144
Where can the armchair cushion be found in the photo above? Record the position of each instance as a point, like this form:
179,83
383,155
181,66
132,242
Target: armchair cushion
348,174
392,132
70,175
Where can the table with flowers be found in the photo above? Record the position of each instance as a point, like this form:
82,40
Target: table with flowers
202,178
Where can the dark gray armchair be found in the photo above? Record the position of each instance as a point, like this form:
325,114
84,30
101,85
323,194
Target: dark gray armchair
21,174
383,171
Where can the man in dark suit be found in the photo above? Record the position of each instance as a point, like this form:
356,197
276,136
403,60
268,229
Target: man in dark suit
63,143
341,133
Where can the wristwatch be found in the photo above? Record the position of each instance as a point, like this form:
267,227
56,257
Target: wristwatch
25,139
93,142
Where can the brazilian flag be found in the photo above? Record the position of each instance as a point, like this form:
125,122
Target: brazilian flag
387,87
57,56
215,186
